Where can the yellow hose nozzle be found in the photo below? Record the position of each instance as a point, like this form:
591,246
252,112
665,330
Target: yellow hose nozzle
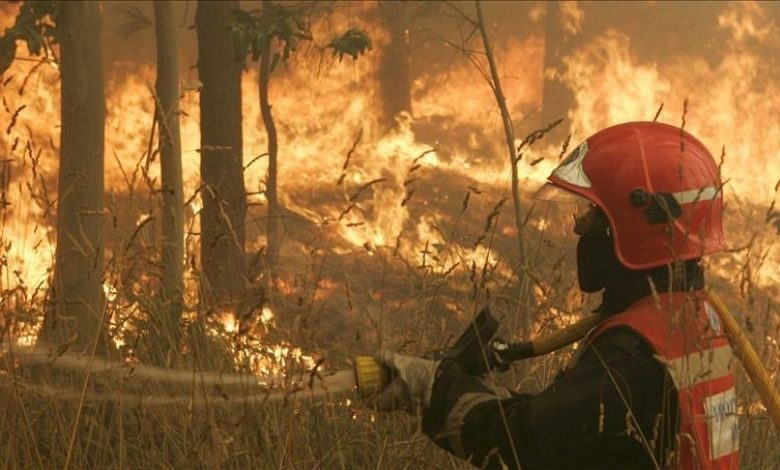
371,377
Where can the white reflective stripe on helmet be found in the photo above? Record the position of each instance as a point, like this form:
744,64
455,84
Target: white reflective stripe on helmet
571,170
701,194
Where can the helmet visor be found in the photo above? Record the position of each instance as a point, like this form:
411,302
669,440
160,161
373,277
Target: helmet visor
589,219
553,193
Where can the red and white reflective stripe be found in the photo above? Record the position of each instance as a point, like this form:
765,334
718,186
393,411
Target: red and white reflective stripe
698,358
699,366
720,414
706,193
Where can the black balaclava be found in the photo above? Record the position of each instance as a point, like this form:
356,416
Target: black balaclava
597,265
598,268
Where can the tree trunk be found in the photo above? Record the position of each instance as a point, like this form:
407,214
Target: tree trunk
77,284
394,64
221,166
167,87
509,135
275,228
557,98
509,131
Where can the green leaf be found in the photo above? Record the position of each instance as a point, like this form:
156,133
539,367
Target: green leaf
243,17
257,47
274,21
353,43
299,23
49,30
7,52
240,45
34,41
33,25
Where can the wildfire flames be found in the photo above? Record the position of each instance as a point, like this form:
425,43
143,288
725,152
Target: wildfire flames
322,106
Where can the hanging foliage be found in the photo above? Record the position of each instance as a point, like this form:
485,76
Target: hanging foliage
36,26
352,43
253,34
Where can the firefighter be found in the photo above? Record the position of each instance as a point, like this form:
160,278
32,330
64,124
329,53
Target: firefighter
650,387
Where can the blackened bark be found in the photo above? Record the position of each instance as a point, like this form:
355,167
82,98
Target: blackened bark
77,284
224,205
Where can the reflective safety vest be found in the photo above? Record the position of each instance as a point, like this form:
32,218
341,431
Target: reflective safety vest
685,332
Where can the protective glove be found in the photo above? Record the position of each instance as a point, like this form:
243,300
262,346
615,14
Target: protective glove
410,390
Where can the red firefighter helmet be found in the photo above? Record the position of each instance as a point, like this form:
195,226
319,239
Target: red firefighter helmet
658,186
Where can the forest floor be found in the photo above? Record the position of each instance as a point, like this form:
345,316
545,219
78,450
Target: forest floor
335,302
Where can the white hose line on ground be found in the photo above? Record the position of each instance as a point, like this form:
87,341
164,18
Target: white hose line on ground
330,385
77,361
323,385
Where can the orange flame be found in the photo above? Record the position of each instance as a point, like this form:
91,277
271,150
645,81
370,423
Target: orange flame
321,106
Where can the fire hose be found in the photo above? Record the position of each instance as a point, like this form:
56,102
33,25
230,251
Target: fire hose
749,359
477,351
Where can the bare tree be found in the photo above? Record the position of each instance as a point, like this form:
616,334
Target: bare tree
494,80
256,36
77,286
167,111
221,166
274,227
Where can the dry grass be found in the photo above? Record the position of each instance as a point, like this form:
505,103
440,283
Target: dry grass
414,304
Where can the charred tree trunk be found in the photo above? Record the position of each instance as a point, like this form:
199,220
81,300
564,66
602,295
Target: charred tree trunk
275,226
167,110
395,64
78,311
221,165
557,98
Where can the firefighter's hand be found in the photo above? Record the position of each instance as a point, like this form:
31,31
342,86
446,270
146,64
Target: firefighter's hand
411,387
